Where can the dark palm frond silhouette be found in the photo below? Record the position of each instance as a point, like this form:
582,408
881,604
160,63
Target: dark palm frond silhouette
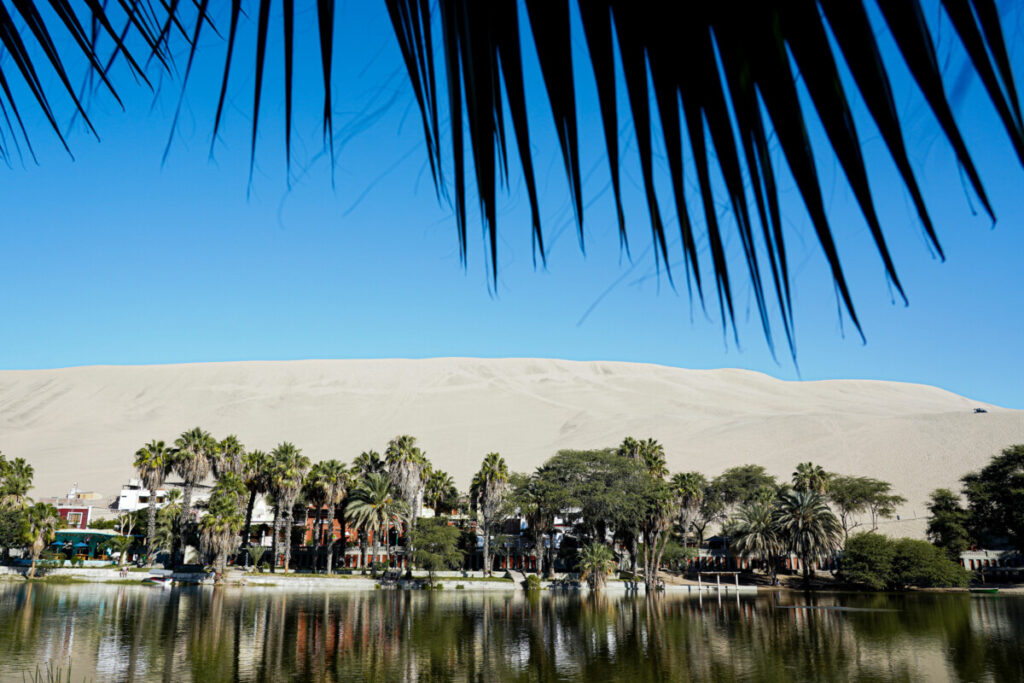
721,77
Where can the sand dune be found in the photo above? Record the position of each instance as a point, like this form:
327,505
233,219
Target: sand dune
83,424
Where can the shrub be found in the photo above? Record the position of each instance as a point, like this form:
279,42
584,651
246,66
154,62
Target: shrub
876,562
438,586
459,587
867,560
532,583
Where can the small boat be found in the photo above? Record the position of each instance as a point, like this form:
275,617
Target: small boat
159,577
983,590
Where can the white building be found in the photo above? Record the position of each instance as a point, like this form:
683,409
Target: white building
134,496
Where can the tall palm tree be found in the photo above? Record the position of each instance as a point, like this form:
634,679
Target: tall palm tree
406,463
152,462
41,523
689,488
811,477
219,527
290,467
807,527
490,485
314,492
168,522
337,480
375,507
194,453
257,472
756,534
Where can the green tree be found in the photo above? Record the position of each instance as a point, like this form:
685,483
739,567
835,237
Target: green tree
258,474
919,563
12,529
168,522
756,534
811,477
596,561
368,462
41,522
659,513
290,467
851,496
152,462
947,527
807,528
220,526
742,484
489,488
867,560
337,480
712,509
995,499
193,455
649,453
436,545
375,507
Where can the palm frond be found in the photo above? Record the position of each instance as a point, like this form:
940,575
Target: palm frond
718,80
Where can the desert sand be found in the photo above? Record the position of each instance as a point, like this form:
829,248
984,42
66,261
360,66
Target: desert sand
82,425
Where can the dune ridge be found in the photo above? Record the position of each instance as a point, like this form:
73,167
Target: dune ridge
83,424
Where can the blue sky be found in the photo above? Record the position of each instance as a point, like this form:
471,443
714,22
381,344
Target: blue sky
115,258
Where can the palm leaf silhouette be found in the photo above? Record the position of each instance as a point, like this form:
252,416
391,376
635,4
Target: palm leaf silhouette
722,78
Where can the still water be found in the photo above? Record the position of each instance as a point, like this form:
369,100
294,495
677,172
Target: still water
129,633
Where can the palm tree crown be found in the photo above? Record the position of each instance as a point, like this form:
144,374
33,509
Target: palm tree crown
807,526
152,462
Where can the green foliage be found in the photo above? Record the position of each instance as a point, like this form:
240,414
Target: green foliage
811,477
596,561
854,496
15,481
741,485
995,499
867,560
756,532
12,527
877,562
103,524
947,528
532,583
807,527
436,545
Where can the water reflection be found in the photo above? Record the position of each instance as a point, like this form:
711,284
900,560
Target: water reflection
126,633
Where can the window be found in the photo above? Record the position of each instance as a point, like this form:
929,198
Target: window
75,519
143,499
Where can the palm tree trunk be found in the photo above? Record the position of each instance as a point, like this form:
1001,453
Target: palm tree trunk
373,559
151,527
550,569
186,510
487,549
32,569
633,549
318,540
274,540
287,538
248,524
330,538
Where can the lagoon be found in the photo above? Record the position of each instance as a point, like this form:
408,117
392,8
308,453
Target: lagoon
135,633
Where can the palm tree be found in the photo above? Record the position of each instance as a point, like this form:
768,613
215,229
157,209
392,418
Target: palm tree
121,545
406,463
756,533
336,480
168,522
194,452
811,477
17,481
368,462
230,457
375,507
703,57
152,462
41,523
257,472
314,492
807,527
490,484
689,488
439,491
290,467
596,562
219,527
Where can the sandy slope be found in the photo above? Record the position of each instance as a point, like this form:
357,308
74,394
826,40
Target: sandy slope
83,424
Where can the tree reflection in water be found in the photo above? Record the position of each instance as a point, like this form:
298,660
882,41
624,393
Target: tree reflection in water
124,633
